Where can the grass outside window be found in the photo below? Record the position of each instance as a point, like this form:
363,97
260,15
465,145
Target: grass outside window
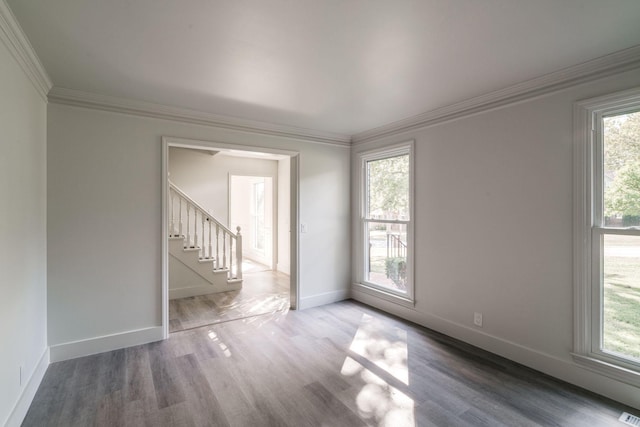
621,302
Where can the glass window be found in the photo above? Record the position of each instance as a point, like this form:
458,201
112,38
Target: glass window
388,188
618,284
621,295
386,220
607,244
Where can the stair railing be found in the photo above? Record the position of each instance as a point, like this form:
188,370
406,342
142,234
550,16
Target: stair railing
200,230
396,248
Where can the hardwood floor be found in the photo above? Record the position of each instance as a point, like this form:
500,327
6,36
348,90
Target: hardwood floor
342,364
263,291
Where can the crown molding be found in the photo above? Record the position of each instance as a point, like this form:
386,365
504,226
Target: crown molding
18,44
73,97
604,66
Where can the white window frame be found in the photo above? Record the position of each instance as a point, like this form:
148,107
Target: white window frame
588,231
362,251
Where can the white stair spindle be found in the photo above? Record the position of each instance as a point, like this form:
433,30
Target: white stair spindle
210,247
230,275
172,224
196,234
180,216
217,247
195,228
188,221
238,254
224,249
203,253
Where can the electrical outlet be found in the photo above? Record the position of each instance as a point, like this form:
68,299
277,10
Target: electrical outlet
303,227
477,319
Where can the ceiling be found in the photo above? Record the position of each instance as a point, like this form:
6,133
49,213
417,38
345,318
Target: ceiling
341,66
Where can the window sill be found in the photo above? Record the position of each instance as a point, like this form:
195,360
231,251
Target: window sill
617,372
382,294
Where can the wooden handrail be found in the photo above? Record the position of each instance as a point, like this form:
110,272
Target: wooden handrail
202,210
209,238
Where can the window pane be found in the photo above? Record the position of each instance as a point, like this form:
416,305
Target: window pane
621,295
387,263
388,188
621,137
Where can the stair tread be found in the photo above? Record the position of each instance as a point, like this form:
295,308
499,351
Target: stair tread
233,283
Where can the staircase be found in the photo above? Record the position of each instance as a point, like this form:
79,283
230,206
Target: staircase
204,256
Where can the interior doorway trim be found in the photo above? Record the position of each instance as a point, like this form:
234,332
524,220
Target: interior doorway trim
294,174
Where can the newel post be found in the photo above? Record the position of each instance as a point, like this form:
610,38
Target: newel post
239,254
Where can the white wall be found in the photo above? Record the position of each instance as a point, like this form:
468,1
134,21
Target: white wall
184,282
493,223
284,218
104,177
23,258
206,178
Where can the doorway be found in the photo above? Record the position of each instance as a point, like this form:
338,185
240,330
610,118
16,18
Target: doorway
266,209
252,207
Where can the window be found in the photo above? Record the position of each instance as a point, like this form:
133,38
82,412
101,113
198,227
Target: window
607,235
386,228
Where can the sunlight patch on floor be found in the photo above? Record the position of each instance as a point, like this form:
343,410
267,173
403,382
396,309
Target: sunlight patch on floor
378,400
262,319
214,337
249,266
387,349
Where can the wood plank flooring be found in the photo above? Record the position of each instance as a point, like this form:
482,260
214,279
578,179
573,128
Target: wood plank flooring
263,292
342,364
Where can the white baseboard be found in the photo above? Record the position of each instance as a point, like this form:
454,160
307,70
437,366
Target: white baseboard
28,393
71,350
563,369
284,268
324,298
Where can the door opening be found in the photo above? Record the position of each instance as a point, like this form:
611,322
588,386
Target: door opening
264,206
252,207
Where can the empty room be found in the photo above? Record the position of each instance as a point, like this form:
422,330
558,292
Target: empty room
320,213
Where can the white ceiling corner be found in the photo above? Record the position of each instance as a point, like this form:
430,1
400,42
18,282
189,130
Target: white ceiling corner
613,63
18,44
